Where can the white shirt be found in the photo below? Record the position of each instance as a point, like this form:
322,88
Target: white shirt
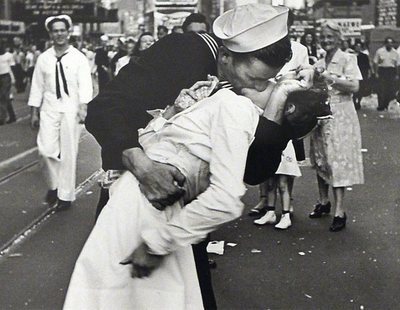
123,61
31,59
216,131
299,57
6,61
386,59
78,77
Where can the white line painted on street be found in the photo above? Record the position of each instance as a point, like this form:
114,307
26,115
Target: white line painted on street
20,156
31,228
17,157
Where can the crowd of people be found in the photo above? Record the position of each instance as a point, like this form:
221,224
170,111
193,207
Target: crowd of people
231,113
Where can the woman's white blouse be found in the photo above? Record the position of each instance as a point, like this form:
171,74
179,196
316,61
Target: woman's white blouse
216,131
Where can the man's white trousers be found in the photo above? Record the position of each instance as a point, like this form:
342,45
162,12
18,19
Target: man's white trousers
58,141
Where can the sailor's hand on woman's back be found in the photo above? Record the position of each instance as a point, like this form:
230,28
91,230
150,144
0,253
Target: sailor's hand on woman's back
160,183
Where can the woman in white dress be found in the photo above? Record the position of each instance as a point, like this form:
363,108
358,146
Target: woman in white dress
208,142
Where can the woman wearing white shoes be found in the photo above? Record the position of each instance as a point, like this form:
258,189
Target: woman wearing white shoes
287,169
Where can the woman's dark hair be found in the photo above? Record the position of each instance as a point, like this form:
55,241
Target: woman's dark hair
274,55
195,18
136,50
303,38
304,108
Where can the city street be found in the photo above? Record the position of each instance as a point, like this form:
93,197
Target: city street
304,267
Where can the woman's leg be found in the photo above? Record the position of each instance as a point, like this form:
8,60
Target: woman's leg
261,206
339,221
324,206
270,216
290,182
338,194
271,191
283,187
323,189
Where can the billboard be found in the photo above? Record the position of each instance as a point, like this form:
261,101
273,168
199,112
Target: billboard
11,27
351,27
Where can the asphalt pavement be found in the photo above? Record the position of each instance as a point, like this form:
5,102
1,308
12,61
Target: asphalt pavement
305,267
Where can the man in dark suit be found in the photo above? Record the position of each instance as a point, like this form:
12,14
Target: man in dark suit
102,62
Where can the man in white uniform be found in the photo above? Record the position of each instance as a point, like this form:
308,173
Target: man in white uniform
61,88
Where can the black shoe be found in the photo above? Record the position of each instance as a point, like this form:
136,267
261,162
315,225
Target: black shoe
51,197
212,264
63,205
338,223
319,210
257,211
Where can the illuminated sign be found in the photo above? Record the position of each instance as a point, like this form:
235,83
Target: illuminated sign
11,27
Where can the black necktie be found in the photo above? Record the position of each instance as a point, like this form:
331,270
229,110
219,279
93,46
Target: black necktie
62,77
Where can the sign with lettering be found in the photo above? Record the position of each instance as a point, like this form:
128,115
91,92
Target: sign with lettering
32,11
11,27
351,27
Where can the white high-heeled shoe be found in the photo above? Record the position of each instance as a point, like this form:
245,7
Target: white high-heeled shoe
284,222
268,218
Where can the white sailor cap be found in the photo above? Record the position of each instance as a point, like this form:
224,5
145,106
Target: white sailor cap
52,19
248,28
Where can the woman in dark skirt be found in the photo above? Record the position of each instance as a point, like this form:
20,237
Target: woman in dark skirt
365,68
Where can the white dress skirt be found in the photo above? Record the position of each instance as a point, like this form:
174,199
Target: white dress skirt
289,165
100,282
208,143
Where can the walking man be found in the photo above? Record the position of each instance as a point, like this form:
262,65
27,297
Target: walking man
61,89
386,63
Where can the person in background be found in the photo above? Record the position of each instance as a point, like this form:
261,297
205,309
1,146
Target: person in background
386,66
144,41
196,22
124,60
177,29
121,52
19,65
335,149
365,69
31,59
61,88
162,31
102,62
87,49
345,46
6,80
288,168
308,40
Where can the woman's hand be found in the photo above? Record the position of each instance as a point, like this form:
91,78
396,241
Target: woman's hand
199,91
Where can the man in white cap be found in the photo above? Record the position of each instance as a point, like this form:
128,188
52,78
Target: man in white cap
61,89
247,60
